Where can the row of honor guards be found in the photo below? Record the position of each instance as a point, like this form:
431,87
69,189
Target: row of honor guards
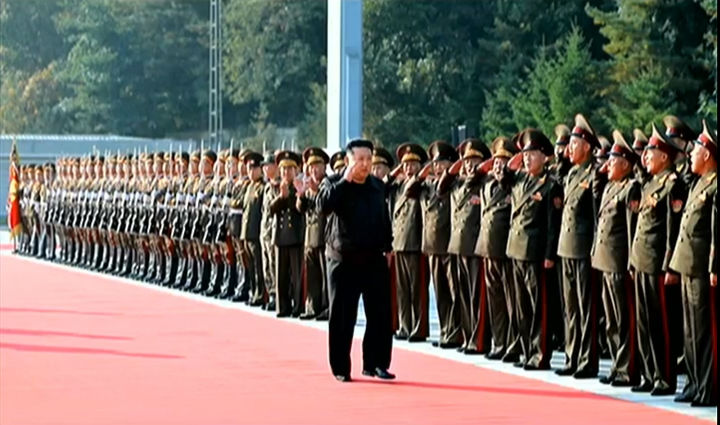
587,246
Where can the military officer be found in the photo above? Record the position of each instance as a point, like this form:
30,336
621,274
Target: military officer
562,164
382,162
463,183
639,142
270,176
662,201
680,134
410,266
495,202
580,288
617,215
691,258
436,236
338,161
536,205
288,235
315,271
252,202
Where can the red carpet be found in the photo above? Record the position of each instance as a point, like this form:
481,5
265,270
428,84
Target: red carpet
76,349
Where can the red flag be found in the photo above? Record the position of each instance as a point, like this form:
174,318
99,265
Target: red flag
14,221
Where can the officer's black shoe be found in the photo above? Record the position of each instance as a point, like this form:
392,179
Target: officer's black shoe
684,398
271,306
343,378
606,379
566,371
698,403
401,336
417,339
510,358
296,314
283,314
471,352
622,383
585,374
302,316
497,355
259,302
531,366
645,387
449,345
379,373
660,391
322,316
519,363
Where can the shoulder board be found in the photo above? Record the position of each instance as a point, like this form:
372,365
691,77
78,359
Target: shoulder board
711,176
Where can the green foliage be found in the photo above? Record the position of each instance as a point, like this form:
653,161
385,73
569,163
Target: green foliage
139,67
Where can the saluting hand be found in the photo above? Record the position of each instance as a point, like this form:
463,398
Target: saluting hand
515,162
548,264
485,166
456,167
422,175
397,171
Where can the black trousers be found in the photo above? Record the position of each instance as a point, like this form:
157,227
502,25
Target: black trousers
581,298
254,276
412,294
288,275
619,301
441,272
698,338
315,281
500,296
531,309
655,316
350,278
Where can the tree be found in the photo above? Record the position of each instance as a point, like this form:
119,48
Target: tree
274,54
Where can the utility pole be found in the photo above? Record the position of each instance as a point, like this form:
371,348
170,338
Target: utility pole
215,123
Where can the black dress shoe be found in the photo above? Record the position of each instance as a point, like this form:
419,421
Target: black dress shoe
658,391
257,303
530,366
622,383
417,339
645,387
697,403
471,352
322,316
684,398
307,316
606,379
585,374
460,349
270,306
401,336
519,363
566,371
283,314
296,314
383,374
449,345
510,358
494,356
343,378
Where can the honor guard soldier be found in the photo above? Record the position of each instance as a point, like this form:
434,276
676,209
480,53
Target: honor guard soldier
315,277
692,258
581,290
617,215
229,281
463,182
436,236
252,202
270,175
661,205
203,194
288,235
639,142
495,203
410,266
187,271
536,205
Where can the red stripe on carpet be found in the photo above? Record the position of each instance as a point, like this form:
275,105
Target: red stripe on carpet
82,349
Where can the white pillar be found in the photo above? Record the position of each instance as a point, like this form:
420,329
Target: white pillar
344,73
